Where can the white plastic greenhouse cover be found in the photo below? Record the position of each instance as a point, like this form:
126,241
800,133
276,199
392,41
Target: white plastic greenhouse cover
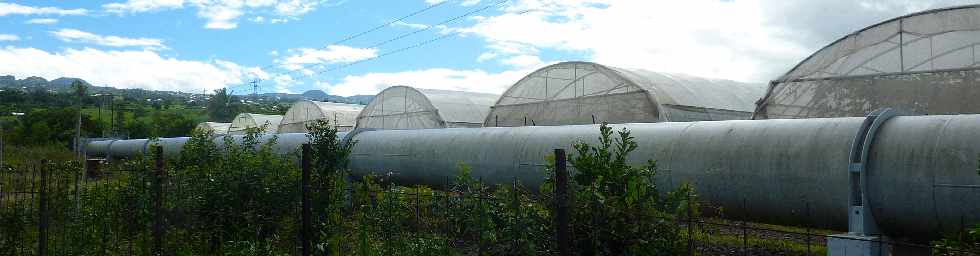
341,116
585,93
214,127
403,107
923,63
244,121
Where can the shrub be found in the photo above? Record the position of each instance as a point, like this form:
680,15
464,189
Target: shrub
619,209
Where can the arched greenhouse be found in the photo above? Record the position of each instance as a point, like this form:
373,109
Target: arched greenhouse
925,63
213,127
585,93
339,115
244,121
403,107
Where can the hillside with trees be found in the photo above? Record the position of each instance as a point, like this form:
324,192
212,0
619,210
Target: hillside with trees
34,111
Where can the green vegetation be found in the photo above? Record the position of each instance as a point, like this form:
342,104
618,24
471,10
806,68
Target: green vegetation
49,117
239,198
621,210
968,239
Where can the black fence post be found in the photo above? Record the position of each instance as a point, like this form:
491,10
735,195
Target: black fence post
158,179
745,232
690,226
42,225
808,242
447,218
479,194
307,212
517,219
562,211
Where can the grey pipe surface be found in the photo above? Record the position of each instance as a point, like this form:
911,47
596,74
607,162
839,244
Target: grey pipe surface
123,149
770,171
922,169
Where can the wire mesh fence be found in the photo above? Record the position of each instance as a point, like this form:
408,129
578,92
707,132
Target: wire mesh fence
147,209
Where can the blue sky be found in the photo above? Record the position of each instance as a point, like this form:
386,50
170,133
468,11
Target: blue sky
197,45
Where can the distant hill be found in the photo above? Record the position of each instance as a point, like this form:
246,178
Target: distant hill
318,95
64,85
32,83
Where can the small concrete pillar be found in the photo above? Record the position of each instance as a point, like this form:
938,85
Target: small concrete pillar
856,245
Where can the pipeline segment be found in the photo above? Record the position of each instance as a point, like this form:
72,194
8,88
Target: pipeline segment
285,143
922,170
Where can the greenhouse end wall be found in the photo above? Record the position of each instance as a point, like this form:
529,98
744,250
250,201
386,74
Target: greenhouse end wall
922,63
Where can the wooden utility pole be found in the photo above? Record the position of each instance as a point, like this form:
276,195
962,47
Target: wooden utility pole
80,92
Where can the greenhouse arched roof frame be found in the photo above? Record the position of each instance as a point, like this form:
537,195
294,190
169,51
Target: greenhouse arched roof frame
244,121
341,116
405,107
588,92
215,127
865,69
795,72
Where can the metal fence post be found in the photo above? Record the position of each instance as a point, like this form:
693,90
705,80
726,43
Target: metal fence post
690,226
446,214
808,242
745,232
158,180
307,212
562,213
42,225
482,217
517,219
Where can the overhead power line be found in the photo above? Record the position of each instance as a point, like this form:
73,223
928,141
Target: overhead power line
422,43
376,28
402,36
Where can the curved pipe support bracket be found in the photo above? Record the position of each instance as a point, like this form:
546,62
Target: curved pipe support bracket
860,219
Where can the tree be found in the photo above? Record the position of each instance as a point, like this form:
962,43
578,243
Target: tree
220,106
169,124
55,125
618,206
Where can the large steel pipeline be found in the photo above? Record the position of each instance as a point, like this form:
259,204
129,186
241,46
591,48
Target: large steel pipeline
286,143
922,170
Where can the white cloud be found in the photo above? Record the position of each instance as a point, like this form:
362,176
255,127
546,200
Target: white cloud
461,3
410,25
522,61
225,14
437,78
136,6
123,69
256,73
331,54
293,8
74,35
486,56
8,37
12,8
46,21
283,83
740,40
